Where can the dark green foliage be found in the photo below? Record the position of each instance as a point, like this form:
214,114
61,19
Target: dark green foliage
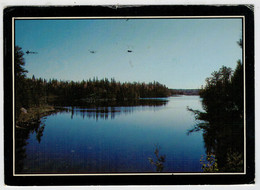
222,121
217,92
237,89
209,164
34,92
19,63
92,90
240,43
20,80
158,163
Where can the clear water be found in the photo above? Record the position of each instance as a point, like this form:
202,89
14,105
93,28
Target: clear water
117,140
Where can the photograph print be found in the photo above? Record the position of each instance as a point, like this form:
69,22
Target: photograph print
129,95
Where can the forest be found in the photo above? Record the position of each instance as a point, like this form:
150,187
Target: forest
35,92
222,121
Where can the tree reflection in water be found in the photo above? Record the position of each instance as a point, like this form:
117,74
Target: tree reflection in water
22,134
101,111
109,110
224,139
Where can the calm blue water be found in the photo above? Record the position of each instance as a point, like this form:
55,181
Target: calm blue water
120,139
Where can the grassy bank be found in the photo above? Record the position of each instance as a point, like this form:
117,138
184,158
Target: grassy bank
33,114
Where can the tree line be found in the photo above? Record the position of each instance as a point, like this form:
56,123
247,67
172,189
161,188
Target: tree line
96,89
36,91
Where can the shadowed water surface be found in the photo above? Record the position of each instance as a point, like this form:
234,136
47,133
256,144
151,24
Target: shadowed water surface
107,139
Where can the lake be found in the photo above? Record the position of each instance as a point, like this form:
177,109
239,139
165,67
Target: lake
115,139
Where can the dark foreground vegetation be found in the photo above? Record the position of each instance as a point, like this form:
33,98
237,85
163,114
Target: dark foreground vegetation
222,122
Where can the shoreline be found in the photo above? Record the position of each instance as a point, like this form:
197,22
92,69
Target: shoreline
33,115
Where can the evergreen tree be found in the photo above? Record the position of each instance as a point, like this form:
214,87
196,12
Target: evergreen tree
222,121
20,81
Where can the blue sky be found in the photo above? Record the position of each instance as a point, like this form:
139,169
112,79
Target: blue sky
179,53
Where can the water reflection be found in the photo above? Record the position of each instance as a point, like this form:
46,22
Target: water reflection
109,110
22,134
152,102
96,112
226,142
223,135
